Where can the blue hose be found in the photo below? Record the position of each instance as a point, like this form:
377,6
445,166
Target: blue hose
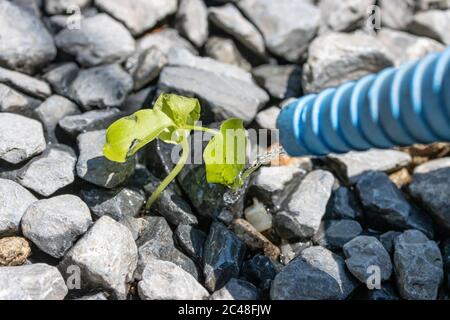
396,107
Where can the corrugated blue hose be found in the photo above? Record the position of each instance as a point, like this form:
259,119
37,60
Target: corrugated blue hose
396,107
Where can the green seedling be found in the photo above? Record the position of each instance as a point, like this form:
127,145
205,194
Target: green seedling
172,120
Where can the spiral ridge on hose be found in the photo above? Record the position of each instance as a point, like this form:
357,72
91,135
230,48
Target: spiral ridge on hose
396,107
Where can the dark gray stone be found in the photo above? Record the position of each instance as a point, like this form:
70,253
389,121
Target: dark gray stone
117,203
364,252
236,289
26,44
304,208
352,165
93,167
335,58
99,40
113,242
343,205
260,271
192,21
387,292
49,172
282,82
55,224
89,121
101,87
138,15
14,201
317,274
51,111
170,204
156,242
387,239
60,77
222,256
334,234
146,67
191,241
22,82
32,282
230,20
418,266
272,185
431,187
20,138
287,25
164,280
385,206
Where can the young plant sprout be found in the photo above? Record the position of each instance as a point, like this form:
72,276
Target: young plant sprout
172,119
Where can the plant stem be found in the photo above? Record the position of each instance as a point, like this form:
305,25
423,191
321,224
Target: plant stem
212,131
172,175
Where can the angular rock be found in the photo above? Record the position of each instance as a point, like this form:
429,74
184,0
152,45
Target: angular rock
14,251
418,266
364,252
267,119
147,67
387,239
22,82
222,256
343,205
117,203
282,82
433,24
390,10
406,47
14,201
230,20
334,234
60,77
290,251
49,172
192,21
64,6
224,50
254,239
387,292
335,58
317,274
20,138
259,270
138,15
385,206
222,97
431,187
26,44
287,25
163,280
101,87
55,224
352,165
93,167
12,101
32,282
157,243
89,121
170,205
344,15
184,58
113,242
303,209
236,289
258,216
99,40
97,296
51,111
135,225
191,241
